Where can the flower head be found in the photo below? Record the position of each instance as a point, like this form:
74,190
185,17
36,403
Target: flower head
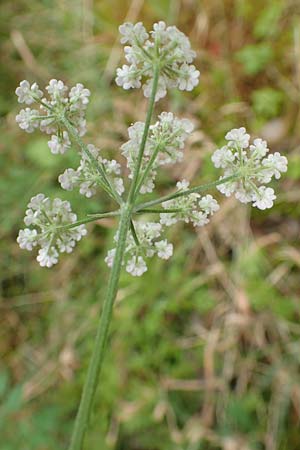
164,46
86,177
51,229
250,167
164,145
58,105
189,208
149,244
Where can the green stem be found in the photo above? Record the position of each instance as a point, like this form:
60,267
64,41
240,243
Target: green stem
132,190
92,378
126,209
203,187
147,169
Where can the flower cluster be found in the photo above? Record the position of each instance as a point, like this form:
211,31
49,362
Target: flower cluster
164,145
50,228
61,103
252,168
190,207
149,244
164,55
86,176
164,47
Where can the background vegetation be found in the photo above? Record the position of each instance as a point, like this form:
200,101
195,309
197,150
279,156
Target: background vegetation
205,348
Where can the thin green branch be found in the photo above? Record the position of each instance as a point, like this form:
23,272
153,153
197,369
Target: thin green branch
132,190
92,218
158,210
147,169
133,232
203,187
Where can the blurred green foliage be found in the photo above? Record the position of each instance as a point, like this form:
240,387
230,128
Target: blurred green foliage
204,349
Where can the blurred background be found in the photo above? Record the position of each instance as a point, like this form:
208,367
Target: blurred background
204,350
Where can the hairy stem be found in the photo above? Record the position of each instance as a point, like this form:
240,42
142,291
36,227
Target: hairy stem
91,382
92,378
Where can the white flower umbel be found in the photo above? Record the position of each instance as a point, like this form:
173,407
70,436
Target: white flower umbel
53,110
164,145
51,229
190,208
164,47
86,177
144,245
253,169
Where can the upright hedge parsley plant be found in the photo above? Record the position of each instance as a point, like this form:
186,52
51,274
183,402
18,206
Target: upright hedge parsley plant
157,61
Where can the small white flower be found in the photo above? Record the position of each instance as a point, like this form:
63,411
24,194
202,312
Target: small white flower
136,266
79,96
161,88
27,119
28,94
188,78
87,188
109,259
222,157
128,77
187,125
131,32
164,249
227,188
68,179
56,88
27,239
238,137
59,144
159,31
148,185
259,148
209,204
244,195
182,185
112,166
119,185
47,257
264,199
199,218
277,164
